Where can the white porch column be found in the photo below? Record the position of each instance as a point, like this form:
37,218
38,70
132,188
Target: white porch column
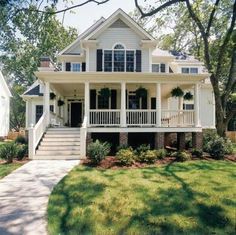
47,101
158,104
196,105
123,105
86,101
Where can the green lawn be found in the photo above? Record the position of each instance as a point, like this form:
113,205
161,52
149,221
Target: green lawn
6,169
197,197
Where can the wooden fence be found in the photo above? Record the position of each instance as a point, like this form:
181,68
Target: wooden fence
231,135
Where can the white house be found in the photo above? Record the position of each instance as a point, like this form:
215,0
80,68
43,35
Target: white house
115,84
5,95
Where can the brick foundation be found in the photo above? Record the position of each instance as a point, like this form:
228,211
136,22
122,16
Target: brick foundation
159,140
181,140
197,139
123,138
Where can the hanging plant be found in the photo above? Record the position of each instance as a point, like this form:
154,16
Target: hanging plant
141,92
52,96
60,103
177,92
188,96
105,92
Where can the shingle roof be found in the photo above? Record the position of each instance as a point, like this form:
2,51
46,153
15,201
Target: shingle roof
34,91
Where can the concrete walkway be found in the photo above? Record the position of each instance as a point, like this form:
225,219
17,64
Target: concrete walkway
24,196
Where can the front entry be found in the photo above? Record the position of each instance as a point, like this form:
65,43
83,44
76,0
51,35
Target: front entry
76,114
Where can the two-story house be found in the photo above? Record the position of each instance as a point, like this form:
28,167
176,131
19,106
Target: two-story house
116,85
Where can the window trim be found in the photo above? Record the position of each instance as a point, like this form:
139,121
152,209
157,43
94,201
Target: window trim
71,66
189,69
159,67
125,61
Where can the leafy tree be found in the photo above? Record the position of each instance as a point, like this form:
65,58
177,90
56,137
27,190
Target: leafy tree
206,28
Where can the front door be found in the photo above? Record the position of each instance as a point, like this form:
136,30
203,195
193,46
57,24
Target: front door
76,114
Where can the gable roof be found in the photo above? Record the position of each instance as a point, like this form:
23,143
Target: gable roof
33,90
4,84
84,34
120,14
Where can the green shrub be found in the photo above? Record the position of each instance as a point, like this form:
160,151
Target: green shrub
123,146
20,140
125,157
161,153
142,148
208,136
183,156
97,151
216,148
188,143
149,156
22,151
197,152
229,147
8,151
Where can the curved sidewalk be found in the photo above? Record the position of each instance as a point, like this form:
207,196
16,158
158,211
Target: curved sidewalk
24,196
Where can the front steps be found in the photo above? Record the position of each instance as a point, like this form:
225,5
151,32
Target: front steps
60,143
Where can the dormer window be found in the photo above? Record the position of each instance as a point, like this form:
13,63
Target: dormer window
189,70
119,59
75,67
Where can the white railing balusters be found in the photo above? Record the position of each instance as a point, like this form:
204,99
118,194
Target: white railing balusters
104,117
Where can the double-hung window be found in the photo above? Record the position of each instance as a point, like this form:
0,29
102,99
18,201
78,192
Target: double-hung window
75,67
119,59
155,68
189,70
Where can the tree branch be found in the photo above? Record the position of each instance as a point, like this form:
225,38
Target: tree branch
226,40
163,6
211,17
63,10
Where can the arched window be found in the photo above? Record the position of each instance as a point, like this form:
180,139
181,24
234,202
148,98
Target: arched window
119,59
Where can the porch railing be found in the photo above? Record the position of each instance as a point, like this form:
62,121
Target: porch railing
104,117
141,117
55,119
177,118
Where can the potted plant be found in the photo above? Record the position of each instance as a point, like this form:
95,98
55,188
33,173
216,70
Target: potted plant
141,92
60,102
52,96
105,92
177,92
188,96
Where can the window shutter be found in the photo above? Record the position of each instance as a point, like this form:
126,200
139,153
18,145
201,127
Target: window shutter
163,68
68,66
93,99
99,59
83,67
153,103
113,99
138,60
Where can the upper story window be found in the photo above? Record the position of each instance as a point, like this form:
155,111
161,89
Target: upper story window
158,68
119,59
75,67
189,70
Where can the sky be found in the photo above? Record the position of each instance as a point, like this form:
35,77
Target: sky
85,16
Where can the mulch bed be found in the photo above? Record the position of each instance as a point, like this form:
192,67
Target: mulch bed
111,162
23,161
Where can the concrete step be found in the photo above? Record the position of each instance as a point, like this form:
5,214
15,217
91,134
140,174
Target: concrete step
61,157
63,129
51,147
61,135
63,139
58,143
57,153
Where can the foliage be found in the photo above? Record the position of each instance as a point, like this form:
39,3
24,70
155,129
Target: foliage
197,153
183,156
188,96
229,147
188,143
194,197
60,103
177,92
22,151
142,148
123,146
161,153
141,92
20,140
6,169
149,156
216,148
105,92
126,157
8,151
97,151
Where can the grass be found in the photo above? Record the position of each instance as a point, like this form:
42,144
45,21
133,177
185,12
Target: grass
6,169
234,146
182,198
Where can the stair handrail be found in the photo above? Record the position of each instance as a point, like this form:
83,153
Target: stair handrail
35,134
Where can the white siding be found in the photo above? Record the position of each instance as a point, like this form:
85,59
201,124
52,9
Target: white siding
125,36
4,114
92,59
145,60
207,110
